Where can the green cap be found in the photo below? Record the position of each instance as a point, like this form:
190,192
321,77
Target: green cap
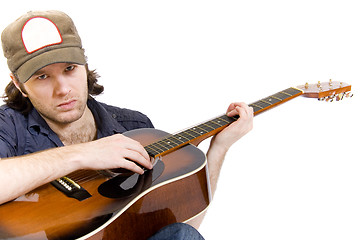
38,39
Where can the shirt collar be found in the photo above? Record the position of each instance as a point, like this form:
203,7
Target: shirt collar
106,122
36,123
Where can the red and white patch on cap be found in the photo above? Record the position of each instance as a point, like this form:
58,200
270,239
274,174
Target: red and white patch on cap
40,32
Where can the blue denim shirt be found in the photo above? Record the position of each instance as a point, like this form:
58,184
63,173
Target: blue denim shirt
22,134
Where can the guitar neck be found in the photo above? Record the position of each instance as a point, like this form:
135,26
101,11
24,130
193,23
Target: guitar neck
209,128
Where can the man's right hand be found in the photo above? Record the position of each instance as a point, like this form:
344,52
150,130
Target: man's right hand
116,151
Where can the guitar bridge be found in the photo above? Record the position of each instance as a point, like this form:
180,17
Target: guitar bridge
70,188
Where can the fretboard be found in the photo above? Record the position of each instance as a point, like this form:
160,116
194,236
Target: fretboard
209,128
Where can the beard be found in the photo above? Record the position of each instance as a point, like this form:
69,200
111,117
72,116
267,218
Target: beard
53,116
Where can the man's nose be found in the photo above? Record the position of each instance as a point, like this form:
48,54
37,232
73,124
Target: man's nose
61,86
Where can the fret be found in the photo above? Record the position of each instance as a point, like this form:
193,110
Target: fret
262,104
192,133
153,148
198,130
288,94
167,143
292,91
206,127
219,121
281,95
271,100
177,140
273,96
181,136
214,124
255,107
151,151
161,147
262,100
228,119
266,102
156,148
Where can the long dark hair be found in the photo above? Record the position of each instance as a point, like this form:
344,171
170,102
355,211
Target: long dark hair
14,98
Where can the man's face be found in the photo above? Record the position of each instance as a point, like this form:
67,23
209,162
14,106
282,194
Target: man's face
59,92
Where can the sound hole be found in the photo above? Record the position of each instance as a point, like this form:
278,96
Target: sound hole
126,186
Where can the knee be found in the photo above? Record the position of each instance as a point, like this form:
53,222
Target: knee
185,231
178,231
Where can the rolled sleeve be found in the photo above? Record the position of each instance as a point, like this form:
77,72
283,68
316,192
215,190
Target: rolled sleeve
8,137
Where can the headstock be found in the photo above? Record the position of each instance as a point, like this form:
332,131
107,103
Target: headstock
327,91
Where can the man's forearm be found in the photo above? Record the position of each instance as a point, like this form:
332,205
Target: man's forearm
19,175
215,157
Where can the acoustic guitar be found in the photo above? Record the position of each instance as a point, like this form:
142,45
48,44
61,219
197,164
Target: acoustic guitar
122,205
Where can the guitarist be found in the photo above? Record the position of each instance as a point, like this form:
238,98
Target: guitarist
51,125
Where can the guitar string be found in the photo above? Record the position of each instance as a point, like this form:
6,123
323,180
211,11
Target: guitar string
84,175
190,134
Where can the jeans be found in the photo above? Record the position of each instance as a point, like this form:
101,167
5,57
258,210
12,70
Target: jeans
177,231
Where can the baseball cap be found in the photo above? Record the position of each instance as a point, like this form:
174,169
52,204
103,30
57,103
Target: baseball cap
38,39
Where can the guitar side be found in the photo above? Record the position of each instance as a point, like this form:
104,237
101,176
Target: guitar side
178,194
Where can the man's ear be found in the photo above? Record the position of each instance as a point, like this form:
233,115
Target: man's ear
17,84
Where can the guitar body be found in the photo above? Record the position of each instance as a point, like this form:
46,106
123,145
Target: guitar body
128,207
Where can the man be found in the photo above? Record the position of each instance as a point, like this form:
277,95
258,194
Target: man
51,126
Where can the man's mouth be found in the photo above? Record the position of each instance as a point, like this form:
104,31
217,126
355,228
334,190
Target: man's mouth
67,105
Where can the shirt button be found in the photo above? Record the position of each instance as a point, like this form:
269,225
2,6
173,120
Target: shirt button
114,115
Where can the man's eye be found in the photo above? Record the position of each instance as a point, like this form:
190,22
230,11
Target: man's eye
69,68
42,77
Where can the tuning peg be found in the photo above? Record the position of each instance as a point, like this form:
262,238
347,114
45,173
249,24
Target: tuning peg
306,85
339,96
330,98
349,94
330,83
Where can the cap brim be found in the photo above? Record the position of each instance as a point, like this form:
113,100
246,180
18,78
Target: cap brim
60,55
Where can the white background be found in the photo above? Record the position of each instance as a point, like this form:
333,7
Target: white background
296,175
